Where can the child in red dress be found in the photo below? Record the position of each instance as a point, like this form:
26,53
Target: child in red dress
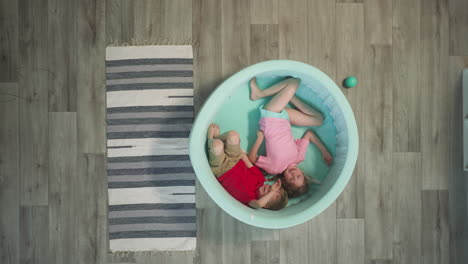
244,181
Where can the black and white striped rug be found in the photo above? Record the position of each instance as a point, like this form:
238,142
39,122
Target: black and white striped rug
149,117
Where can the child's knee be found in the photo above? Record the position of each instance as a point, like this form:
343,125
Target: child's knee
233,138
217,146
290,90
294,83
318,120
292,87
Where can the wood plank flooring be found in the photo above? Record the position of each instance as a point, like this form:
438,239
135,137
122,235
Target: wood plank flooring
407,208
407,86
33,109
9,174
407,201
349,61
378,152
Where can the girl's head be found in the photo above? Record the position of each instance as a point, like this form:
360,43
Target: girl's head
294,181
279,199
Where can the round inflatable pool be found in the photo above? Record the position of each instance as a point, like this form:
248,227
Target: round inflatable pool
230,107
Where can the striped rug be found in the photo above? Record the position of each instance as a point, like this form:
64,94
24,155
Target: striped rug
149,117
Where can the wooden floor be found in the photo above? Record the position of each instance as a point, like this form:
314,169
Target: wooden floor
407,199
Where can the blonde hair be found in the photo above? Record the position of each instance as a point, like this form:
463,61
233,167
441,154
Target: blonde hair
278,203
293,191
297,191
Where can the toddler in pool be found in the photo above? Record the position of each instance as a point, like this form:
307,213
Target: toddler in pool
239,177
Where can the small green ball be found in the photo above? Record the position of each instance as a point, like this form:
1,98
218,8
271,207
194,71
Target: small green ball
350,81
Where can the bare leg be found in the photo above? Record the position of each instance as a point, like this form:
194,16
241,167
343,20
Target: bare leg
230,137
282,91
305,108
216,148
257,93
298,118
213,131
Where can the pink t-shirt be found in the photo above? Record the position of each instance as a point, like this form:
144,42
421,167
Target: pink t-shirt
281,148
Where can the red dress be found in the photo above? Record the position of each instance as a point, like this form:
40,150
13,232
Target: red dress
242,182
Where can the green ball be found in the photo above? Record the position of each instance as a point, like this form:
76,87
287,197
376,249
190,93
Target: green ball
349,82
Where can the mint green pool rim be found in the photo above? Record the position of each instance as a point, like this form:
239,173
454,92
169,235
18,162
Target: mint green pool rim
339,174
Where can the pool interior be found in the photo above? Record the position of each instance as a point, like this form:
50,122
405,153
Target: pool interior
241,114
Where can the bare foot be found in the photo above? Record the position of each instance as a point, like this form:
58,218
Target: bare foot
327,157
255,92
213,131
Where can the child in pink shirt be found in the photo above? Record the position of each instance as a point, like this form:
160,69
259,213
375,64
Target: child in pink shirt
283,152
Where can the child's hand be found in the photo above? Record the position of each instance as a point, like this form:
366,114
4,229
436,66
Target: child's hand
327,157
276,186
260,134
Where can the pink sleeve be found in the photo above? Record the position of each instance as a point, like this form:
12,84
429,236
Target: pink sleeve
302,145
263,162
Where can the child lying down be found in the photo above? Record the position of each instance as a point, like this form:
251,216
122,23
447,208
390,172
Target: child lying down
244,181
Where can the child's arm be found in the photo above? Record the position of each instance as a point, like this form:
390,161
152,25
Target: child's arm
254,151
309,135
262,202
246,160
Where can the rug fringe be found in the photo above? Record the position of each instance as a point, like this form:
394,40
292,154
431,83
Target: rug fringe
153,252
134,42
130,255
